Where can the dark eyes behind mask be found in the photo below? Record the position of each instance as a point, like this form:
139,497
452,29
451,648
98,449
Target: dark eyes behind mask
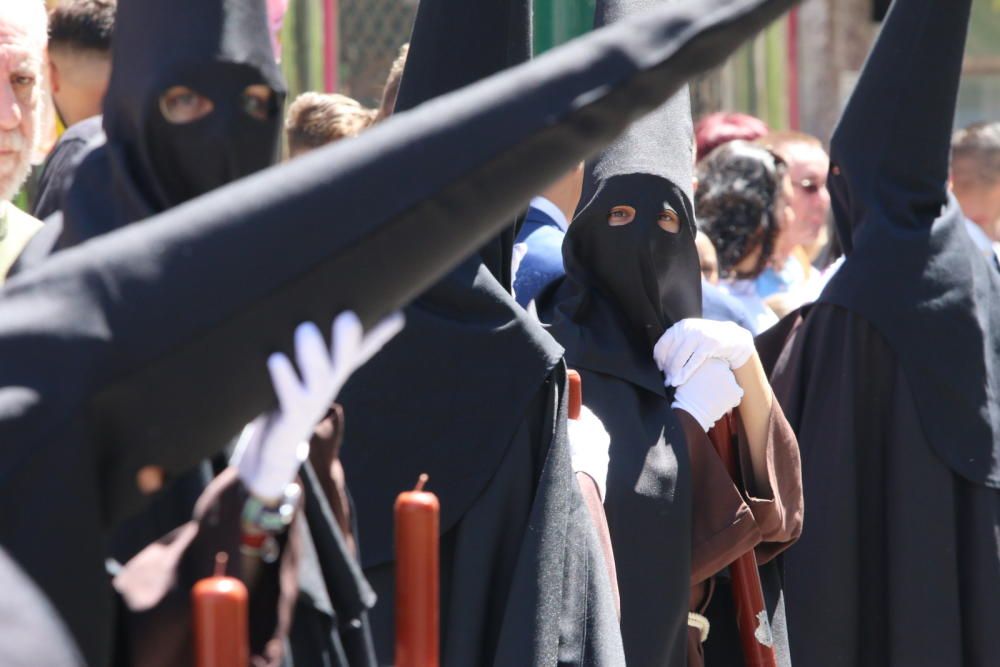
650,274
193,158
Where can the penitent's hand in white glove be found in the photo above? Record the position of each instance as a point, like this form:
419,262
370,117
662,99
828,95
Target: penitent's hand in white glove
687,344
274,445
588,447
709,393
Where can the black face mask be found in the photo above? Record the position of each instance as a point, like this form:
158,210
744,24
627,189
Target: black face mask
236,139
651,274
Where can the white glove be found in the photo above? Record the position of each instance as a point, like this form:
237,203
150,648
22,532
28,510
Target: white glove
588,447
274,446
687,344
709,393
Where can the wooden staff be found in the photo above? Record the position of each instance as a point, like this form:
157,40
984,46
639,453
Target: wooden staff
751,614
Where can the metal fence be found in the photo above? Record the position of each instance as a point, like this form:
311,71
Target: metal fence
371,32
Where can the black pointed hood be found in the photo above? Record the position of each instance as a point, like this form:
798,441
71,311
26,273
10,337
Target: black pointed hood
896,128
911,269
633,281
456,43
466,321
216,48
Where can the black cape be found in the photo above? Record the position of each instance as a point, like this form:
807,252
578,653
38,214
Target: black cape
898,560
483,400
624,286
124,351
61,164
888,384
889,159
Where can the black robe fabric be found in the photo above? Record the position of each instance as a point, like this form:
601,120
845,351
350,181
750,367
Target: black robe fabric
648,505
625,285
899,559
61,165
482,403
523,576
911,269
124,352
889,383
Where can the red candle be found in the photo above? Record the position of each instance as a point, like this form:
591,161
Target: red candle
221,637
575,400
417,527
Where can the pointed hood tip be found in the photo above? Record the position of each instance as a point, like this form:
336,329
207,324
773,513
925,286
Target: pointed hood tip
660,144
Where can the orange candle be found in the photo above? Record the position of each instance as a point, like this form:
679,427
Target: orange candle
575,399
221,637
417,592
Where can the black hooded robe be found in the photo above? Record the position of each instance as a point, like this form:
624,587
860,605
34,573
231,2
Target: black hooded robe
480,386
131,172
123,352
675,516
890,384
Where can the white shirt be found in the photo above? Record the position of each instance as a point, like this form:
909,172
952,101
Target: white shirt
551,210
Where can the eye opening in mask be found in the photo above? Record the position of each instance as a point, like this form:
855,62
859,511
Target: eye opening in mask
259,102
181,105
622,215
668,220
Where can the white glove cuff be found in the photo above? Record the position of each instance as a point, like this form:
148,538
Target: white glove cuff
704,421
589,443
594,465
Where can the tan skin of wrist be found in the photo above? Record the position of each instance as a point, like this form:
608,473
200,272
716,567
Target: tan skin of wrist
755,413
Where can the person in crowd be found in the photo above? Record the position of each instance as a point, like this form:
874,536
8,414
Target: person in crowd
629,317
120,355
975,181
391,90
497,492
23,35
114,189
317,119
708,258
549,216
790,272
722,127
743,207
715,303
891,379
80,33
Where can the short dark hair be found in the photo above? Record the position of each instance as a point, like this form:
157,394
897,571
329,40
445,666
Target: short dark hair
739,188
975,155
83,25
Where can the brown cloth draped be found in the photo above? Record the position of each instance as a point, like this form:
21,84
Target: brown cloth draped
155,585
729,521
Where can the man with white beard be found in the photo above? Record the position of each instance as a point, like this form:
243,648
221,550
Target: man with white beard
23,37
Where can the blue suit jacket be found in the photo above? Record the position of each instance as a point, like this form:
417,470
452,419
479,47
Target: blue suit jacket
543,263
